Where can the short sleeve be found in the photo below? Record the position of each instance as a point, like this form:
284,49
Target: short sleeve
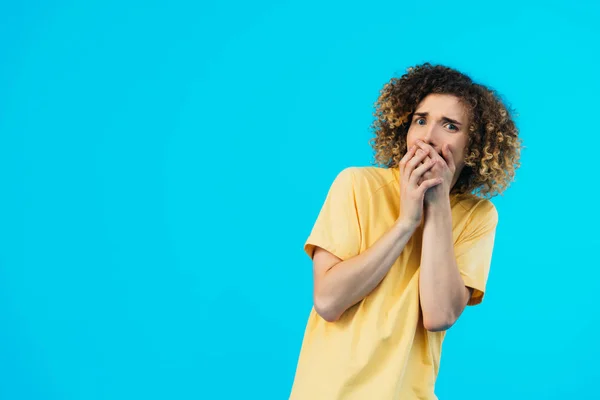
474,247
337,227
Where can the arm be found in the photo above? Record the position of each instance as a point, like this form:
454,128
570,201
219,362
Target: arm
338,285
442,291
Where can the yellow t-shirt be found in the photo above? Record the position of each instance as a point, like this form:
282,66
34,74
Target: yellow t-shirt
379,348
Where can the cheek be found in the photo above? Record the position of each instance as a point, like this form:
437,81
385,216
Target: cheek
459,160
411,139
458,151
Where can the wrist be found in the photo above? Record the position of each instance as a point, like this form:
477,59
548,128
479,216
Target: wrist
438,209
406,224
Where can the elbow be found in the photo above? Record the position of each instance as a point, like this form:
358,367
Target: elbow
326,310
438,323
437,327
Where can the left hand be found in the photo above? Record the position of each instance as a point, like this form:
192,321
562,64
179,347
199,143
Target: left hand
444,168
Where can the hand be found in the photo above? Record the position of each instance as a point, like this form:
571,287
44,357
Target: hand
412,192
444,168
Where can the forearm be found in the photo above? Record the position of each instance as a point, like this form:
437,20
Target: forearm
349,281
442,291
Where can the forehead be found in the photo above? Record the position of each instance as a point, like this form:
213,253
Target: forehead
443,105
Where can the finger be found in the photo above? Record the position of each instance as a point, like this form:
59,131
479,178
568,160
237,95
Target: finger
431,151
427,148
412,164
423,160
429,172
448,157
417,174
418,158
429,183
409,154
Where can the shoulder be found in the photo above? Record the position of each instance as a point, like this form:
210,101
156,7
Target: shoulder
479,210
366,179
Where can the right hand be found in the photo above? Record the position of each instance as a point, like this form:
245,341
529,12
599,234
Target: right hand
412,191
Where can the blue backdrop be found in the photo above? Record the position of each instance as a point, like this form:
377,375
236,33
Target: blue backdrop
162,164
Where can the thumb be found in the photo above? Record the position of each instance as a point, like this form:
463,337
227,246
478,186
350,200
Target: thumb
448,156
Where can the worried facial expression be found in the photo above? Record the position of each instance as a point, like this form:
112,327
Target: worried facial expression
438,120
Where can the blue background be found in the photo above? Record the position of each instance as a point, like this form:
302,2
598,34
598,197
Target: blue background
162,164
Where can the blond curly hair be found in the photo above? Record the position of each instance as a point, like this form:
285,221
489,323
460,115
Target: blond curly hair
493,146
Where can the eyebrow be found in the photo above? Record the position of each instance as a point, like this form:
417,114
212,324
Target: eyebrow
425,114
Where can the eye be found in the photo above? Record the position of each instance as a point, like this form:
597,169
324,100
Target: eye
420,119
452,127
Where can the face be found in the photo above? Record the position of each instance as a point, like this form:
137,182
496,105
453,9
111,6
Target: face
441,119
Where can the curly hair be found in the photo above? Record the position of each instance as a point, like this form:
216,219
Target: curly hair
493,147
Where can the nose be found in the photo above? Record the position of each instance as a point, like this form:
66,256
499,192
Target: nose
429,134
